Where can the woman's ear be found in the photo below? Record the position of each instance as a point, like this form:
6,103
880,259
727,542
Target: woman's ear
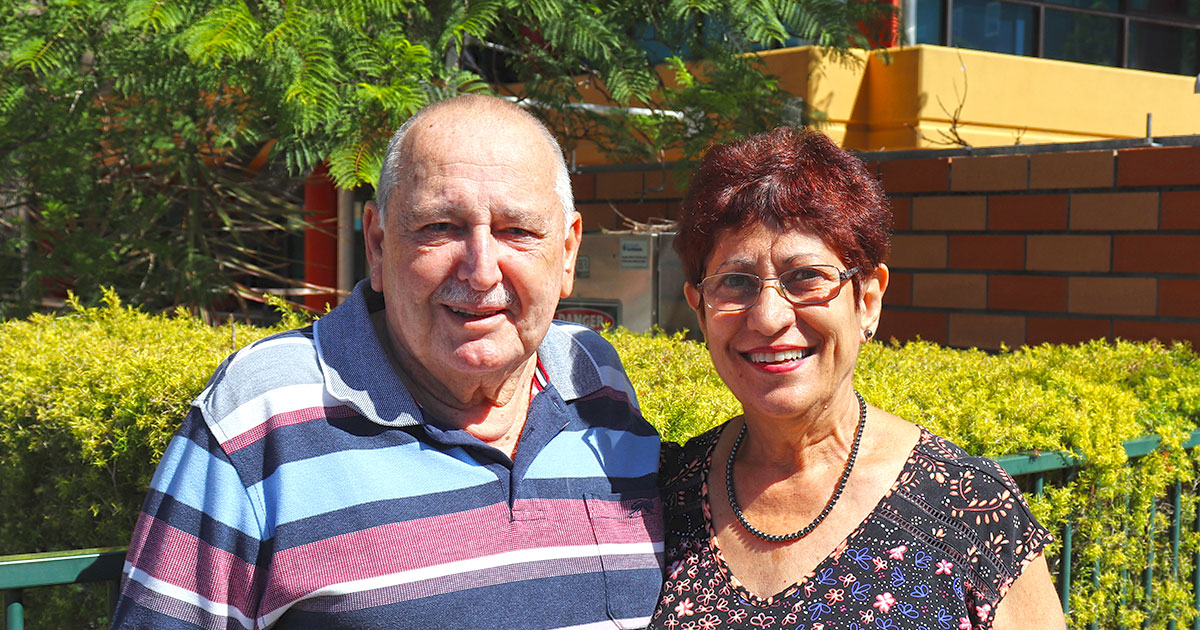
870,300
692,294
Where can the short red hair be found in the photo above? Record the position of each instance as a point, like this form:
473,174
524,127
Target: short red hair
785,179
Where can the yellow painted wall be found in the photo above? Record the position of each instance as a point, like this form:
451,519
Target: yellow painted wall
905,98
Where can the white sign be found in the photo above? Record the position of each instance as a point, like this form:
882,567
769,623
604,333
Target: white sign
635,253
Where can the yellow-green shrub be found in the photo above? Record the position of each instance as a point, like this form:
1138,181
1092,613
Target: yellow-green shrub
1087,399
89,399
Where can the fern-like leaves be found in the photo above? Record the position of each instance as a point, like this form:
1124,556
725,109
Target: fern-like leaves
227,33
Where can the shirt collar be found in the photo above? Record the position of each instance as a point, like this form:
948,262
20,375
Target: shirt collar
357,371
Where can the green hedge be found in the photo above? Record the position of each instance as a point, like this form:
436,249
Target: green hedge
89,399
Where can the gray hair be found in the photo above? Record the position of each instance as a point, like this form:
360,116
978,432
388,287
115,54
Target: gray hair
393,160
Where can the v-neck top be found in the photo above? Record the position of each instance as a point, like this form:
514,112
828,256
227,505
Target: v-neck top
938,552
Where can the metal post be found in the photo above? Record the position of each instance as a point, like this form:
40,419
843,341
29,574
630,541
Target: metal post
345,244
1196,576
14,612
114,594
1176,506
1148,575
1064,577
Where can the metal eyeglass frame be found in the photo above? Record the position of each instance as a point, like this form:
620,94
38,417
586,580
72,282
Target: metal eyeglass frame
773,282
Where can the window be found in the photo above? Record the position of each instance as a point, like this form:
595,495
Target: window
994,26
1156,35
1082,37
1162,48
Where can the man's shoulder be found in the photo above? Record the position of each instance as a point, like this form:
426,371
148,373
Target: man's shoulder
581,362
593,343
278,363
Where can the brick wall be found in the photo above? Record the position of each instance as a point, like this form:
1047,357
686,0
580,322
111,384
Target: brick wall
1017,245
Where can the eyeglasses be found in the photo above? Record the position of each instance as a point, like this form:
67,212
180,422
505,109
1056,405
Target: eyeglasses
801,286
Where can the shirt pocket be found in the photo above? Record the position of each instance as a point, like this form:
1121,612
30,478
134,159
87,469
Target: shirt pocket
628,529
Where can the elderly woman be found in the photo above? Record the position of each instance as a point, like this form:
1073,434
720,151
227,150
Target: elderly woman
813,509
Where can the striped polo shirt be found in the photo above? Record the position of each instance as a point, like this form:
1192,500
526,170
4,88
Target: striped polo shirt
307,489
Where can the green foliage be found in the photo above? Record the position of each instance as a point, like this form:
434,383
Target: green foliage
677,388
155,145
729,93
89,399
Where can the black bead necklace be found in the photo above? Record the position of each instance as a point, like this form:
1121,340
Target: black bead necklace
837,490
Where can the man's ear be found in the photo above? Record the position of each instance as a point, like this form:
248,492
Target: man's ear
870,301
373,237
574,236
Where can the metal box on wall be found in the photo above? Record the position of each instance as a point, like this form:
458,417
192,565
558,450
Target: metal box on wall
628,279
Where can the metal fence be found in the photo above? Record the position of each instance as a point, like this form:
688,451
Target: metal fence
26,571
55,568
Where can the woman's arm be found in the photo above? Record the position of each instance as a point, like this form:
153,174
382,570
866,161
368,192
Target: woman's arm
1031,602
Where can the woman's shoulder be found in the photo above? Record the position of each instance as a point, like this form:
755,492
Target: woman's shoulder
681,461
682,476
947,462
968,505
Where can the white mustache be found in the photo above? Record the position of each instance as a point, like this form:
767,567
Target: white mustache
497,297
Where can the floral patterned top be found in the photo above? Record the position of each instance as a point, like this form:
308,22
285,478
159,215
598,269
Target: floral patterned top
938,552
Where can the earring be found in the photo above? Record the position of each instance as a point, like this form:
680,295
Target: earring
870,334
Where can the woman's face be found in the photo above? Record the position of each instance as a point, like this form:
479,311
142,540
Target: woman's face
782,360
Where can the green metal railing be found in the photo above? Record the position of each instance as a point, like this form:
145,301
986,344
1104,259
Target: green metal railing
53,569
1035,468
104,565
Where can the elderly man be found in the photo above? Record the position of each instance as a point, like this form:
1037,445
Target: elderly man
434,452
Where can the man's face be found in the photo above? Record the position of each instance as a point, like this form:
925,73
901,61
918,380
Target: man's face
474,255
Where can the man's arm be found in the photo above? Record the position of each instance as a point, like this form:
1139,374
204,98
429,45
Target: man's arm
191,563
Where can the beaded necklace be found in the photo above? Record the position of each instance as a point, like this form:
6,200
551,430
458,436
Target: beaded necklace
837,490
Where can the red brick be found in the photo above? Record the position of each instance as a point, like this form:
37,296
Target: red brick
998,172
1112,296
1027,213
1179,297
1158,166
901,214
1114,211
949,213
950,290
899,291
918,252
1180,210
1165,332
909,325
987,252
642,212
603,215
1027,293
583,186
620,185
1065,330
1067,253
664,184
970,330
597,216
909,176
1078,169
1156,253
